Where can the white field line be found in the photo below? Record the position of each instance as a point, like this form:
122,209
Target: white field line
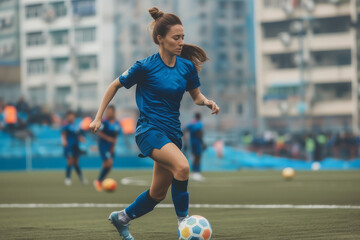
213,206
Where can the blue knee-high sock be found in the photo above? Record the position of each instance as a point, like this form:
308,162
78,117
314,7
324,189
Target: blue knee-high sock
103,173
78,171
68,171
143,204
180,197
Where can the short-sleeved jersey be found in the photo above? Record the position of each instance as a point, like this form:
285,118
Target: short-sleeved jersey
72,132
111,129
194,128
159,91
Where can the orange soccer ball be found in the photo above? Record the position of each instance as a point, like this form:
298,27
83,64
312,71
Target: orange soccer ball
109,185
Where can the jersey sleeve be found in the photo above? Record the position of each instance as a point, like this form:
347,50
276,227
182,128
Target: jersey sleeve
131,76
193,80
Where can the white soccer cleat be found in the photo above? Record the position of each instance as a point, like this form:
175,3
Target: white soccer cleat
68,182
197,177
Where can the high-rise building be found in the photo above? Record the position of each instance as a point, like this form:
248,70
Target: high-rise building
9,50
67,53
225,30
308,64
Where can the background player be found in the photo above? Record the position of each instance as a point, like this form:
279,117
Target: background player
161,80
71,134
108,134
195,128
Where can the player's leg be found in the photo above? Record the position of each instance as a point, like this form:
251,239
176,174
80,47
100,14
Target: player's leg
145,202
69,164
171,158
78,169
106,167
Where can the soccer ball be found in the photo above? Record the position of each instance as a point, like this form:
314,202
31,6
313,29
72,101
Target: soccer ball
195,228
288,173
109,185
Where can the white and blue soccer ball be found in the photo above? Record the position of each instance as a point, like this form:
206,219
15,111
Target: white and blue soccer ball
195,228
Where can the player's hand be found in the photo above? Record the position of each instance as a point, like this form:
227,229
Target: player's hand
212,105
95,125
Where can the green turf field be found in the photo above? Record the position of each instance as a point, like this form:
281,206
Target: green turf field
244,187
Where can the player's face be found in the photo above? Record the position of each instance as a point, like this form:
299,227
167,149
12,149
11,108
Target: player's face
110,113
174,40
70,118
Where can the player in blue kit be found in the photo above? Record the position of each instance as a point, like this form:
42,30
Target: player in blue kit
71,134
195,128
161,81
108,133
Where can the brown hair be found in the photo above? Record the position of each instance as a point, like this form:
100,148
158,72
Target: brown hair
161,26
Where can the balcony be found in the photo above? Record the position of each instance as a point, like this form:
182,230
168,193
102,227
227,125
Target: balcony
332,108
318,42
321,10
331,74
331,41
282,77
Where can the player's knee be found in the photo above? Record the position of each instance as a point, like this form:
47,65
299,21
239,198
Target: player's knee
158,196
108,163
182,172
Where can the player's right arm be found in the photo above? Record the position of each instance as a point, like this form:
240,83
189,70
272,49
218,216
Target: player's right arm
109,94
106,137
63,138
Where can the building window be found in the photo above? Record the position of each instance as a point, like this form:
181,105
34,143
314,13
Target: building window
84,7
37,95
85,35
61,65
36,66
86,63
60,9
35,39
61,95
34,11
238,9
60,37
240,109
6,22
239,56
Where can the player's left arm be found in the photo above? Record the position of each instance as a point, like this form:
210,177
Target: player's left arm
114,143
201,100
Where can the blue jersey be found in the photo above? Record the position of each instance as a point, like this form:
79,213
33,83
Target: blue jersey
72,133
111,130
159,91
194,128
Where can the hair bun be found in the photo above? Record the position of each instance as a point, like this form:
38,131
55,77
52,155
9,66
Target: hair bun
155,13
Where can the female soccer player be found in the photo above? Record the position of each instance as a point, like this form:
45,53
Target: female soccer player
70,136
161,81
195,127
108,133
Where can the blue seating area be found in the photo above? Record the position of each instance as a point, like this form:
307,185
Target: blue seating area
47,143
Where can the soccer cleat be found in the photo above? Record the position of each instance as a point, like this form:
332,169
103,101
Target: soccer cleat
68,182
98,185
123,229
181,219
197,177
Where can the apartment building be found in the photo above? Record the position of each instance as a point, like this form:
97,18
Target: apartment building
308,64
9,50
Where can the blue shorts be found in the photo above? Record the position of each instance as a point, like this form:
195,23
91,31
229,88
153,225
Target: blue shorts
196,149
106,154
154,138
72,151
